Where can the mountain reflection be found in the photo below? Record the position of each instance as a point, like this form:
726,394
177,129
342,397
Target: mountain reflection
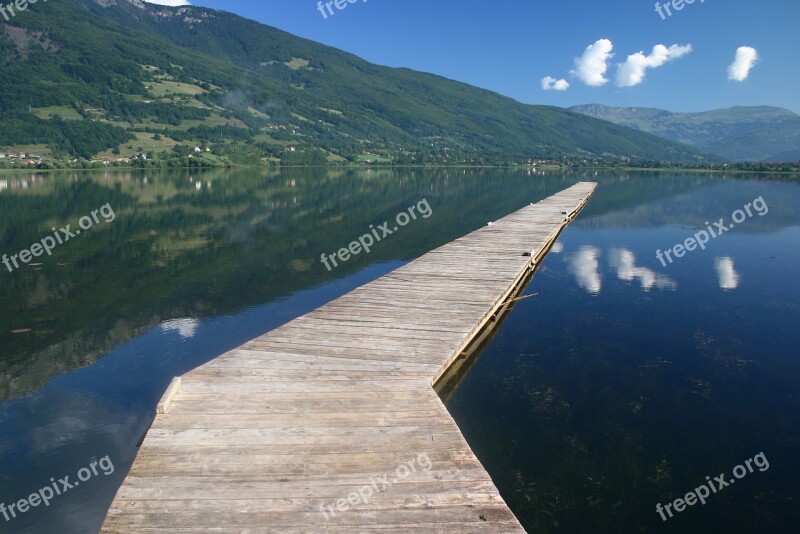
250,236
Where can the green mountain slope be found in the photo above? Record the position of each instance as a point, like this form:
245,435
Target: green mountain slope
740,133
110,77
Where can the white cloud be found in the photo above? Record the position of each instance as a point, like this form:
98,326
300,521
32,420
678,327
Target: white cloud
551,84
728,277
591,67
746,58
586,268
169,2
624,262
634,70
557,248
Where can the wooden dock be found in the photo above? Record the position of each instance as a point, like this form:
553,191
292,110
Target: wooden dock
330,423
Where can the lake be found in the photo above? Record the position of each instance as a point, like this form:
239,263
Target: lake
621,384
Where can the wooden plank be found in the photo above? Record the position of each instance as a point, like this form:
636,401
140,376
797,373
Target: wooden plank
266,437
169,395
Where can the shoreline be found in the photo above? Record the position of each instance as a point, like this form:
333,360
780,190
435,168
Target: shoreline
382,167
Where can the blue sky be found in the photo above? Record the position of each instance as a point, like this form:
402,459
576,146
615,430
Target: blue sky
509,46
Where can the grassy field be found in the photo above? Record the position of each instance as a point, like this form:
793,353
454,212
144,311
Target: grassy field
66,112
214,120
144,142
39,150
166,88
373,158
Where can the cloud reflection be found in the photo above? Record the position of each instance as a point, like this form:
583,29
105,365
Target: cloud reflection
586,268
728,277
623,261
185,327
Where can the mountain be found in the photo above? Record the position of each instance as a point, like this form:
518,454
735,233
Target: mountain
117,78
739,134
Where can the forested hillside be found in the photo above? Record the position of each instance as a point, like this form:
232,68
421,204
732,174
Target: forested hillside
124,80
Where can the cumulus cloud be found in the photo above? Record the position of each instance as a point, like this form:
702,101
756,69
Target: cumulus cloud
169,2
586,268
746,58
634,70
551,84
624,263
591,67
728,277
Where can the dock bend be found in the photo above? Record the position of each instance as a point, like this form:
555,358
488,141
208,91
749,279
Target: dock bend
330,423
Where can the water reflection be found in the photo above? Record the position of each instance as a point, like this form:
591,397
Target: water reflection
728,277
589,407
585,265
185,327
185,274
624,263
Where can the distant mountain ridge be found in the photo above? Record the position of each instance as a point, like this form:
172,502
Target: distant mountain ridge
759,133
84,78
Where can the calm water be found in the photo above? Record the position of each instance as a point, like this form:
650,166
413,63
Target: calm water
621,386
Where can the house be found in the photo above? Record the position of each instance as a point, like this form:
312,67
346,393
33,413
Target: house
198,149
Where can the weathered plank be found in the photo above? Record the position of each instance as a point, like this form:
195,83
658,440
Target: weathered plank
330,423
169,396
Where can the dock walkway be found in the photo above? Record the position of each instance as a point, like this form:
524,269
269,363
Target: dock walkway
330,423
